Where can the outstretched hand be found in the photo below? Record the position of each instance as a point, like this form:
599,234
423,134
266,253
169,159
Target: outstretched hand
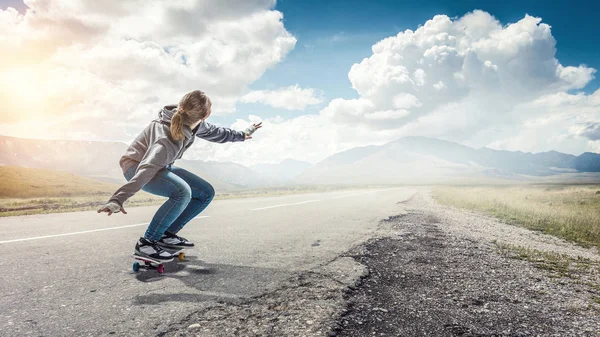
111,208
256,127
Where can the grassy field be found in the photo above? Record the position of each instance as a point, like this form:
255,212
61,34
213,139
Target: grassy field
28,206
571,212
23,182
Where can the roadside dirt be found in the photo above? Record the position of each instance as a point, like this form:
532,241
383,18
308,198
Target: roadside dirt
438,278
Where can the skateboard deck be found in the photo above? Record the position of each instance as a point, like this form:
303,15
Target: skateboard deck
150,263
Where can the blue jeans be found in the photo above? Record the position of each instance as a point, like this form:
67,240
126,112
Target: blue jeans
188,196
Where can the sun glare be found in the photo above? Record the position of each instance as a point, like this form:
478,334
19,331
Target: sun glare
26,91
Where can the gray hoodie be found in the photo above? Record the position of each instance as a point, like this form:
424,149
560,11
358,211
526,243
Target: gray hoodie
154,149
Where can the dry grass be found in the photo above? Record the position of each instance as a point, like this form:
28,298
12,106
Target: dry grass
558,265
142,198
561,267
571,212
28,206
23,182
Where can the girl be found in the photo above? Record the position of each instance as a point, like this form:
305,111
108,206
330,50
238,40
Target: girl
148,165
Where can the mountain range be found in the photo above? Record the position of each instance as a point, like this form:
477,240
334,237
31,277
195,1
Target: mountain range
407,160
430,160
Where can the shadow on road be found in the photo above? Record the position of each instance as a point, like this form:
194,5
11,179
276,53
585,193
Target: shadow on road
216,282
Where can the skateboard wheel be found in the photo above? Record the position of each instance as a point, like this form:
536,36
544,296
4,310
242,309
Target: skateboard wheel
136,267
161,268
181,256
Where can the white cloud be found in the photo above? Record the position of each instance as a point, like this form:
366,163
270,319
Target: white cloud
387,114
348,111
594,146
590,130
446,61
290,98
470,80
405,101
118,59
560,121
439,85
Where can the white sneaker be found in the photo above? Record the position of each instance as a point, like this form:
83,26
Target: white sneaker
152,250
169,240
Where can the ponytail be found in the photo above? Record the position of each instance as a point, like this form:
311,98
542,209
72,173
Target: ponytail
193,107
177,126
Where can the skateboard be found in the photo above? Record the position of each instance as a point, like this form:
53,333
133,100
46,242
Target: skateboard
150,263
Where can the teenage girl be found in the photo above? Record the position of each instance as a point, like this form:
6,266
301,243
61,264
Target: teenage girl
148,165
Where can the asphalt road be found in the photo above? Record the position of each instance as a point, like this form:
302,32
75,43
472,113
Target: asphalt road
70,274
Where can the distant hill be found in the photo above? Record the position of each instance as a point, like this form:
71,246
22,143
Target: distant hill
283,172
223,176
430,160
587,162
511,162
233,173
99,160
22,182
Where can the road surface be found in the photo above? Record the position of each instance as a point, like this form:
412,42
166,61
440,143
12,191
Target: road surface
70,273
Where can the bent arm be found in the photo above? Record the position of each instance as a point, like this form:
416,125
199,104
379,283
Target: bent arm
156,158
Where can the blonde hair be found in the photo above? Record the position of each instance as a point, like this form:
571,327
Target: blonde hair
192,107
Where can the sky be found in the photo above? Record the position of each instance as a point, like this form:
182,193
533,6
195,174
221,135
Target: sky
322,76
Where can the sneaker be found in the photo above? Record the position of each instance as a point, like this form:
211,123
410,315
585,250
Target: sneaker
169,240
152,250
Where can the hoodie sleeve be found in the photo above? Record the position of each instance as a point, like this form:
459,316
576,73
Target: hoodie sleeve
219,134
161,153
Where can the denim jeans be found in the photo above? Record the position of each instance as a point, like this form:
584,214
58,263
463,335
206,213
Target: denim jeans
188,196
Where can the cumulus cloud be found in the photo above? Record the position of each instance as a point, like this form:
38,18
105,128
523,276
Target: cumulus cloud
290,98
472,80
474,60
106,60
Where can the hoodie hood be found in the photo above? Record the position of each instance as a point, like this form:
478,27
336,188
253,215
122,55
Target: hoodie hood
166,114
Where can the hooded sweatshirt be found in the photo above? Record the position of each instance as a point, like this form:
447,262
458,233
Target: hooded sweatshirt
154,149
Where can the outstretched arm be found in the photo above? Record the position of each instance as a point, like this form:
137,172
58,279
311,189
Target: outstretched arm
218,134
